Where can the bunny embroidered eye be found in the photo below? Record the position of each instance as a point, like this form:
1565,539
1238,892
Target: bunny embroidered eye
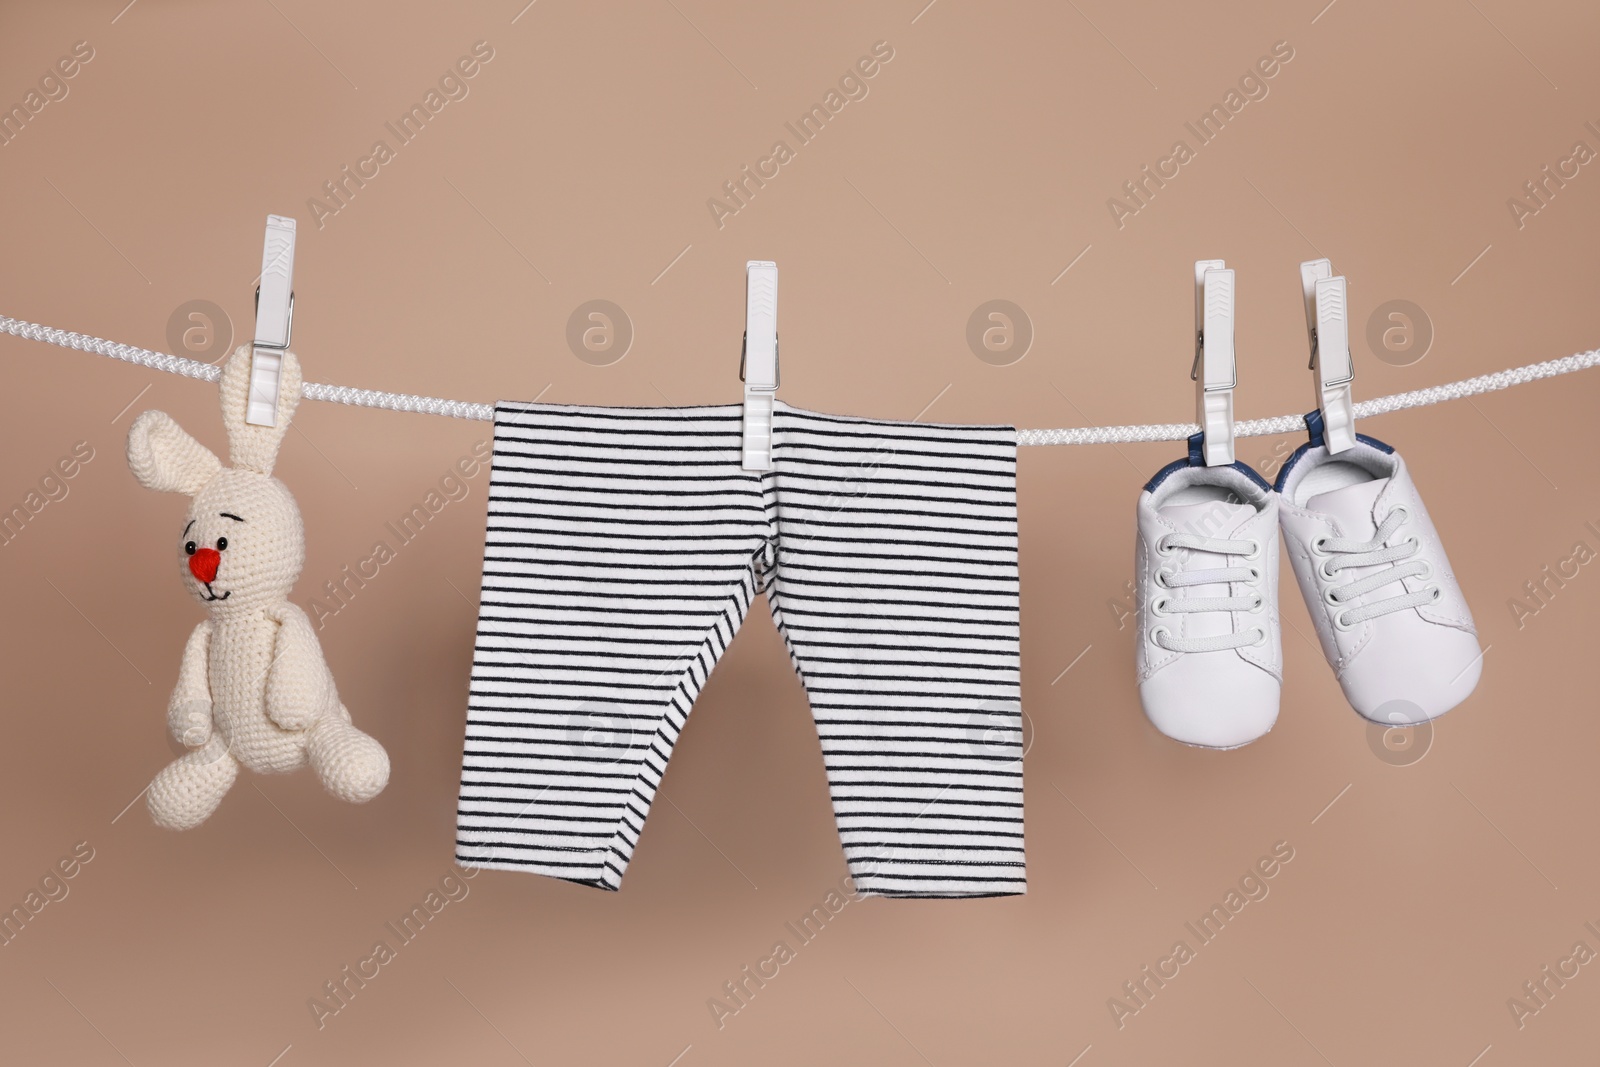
222,543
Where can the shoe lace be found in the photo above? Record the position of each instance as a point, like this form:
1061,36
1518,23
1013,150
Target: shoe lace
1344,553
1184,578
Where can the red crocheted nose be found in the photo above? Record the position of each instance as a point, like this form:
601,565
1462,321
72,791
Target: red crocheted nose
203,564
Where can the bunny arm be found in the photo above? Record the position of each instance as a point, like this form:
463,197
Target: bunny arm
300,688
189,709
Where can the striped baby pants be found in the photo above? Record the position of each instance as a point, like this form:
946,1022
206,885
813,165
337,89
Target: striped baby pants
624,548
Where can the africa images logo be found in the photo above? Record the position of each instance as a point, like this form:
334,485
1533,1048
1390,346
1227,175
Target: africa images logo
1253,85
852,86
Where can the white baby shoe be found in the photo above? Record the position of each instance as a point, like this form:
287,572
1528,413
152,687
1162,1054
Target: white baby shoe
1391,618
1209,655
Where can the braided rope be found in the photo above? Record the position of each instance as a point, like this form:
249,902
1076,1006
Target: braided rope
1435,394
206,372
1078,435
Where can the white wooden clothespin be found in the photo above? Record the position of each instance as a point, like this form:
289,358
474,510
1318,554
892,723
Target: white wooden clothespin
274,319
758,363
1214,372
1328,326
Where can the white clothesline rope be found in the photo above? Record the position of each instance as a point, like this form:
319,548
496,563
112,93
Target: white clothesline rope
1078,435
1365,409
208,372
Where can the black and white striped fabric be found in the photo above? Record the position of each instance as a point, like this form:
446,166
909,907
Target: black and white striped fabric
624,548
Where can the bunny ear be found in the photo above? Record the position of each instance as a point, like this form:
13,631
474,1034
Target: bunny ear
165,458
250,447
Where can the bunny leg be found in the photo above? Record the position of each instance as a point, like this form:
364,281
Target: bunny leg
350,765
189,788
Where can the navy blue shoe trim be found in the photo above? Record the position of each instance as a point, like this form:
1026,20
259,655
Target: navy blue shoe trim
1375,443
1314,429
1196,458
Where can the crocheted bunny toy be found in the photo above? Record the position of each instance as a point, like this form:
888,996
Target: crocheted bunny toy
253,688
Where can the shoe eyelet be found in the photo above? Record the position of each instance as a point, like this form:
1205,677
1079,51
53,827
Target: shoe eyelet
1329,596
1259,606
1327,574
1255,573
1163,578
1437,592
1163,549
1316,546
1158,607
1254,553
1403,510
1340,624
1427,574
1156,634
1261,637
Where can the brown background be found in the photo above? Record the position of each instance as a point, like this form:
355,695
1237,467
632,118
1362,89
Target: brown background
978,167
